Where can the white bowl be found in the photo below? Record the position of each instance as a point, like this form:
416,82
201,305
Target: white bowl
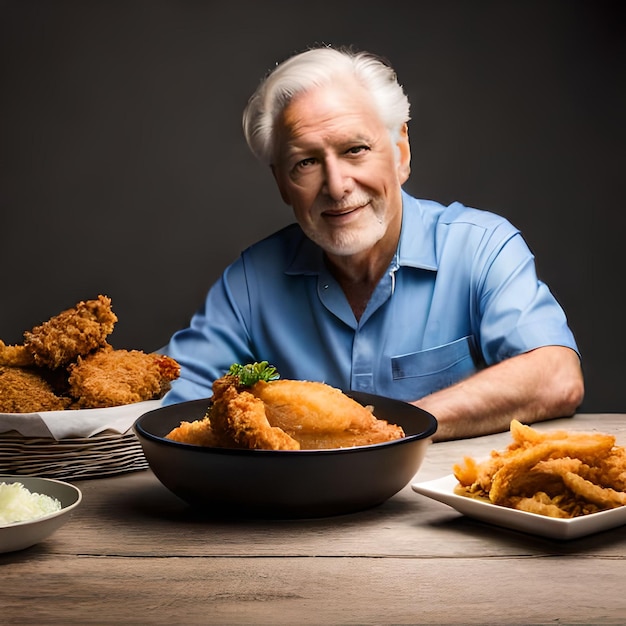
22,535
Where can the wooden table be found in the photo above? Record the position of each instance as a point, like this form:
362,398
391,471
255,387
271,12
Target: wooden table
133,553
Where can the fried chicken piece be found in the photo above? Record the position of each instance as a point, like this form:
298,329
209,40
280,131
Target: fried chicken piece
557,474
541,504
287,415
115,377
72,333
320,416
25,390
198,432
239,420
15,356
582,447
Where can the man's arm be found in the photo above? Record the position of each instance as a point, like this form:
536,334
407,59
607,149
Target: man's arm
541,384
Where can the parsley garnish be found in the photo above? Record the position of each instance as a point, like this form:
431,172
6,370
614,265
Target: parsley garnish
253,372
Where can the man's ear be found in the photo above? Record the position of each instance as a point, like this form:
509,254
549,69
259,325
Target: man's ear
404,155
281,188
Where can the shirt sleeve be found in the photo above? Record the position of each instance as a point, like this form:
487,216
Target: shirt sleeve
517,311
216,337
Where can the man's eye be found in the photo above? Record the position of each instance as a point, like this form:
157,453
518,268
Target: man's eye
305,163
357,149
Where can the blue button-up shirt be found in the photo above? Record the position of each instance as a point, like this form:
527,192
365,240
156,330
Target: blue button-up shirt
460,293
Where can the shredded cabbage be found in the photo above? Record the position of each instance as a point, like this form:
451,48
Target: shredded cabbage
18,504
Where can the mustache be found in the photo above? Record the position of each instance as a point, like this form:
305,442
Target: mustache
344,204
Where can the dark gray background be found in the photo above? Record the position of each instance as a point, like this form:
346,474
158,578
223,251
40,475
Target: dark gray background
123,169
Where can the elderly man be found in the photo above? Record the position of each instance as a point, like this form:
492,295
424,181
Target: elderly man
372,289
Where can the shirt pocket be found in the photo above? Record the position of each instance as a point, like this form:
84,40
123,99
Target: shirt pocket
436,368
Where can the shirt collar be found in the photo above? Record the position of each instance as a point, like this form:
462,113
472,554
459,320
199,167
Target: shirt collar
417,237
415,249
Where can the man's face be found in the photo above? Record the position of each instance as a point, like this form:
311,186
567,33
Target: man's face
337,167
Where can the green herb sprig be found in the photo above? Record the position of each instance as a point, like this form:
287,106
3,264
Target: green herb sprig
253,372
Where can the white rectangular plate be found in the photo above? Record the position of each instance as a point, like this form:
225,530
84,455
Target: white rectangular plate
442,490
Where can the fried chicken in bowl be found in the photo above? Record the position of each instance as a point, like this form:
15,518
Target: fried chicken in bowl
283,483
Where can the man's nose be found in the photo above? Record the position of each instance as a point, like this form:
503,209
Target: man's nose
337,179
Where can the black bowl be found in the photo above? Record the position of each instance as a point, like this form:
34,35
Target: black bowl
286,483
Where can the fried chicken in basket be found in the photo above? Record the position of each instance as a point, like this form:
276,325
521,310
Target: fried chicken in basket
24,390
67,363
115,377
274,414
15,356
72,333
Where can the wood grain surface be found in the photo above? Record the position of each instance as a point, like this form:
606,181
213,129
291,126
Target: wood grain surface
133,553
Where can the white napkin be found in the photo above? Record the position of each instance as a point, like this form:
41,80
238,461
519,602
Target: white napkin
76,423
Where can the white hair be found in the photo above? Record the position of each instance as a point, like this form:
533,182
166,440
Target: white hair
315,68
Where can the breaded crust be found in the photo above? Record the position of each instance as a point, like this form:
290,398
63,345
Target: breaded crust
285,415
15,356
239,421
25,390
114,377
72,333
